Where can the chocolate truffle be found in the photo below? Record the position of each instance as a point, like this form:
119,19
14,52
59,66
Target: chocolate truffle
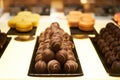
105,49
71,57
102,30
54,66
61,56
116,49
66,36
40,67
39,51
48,55
115,68
111,59
100,41
70,66
114,44
103,45
38,57
108,54
55,44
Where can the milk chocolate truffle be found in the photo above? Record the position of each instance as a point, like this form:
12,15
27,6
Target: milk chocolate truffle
48,55
71,57
61,56
70,66
54,66
38,57
115,68
39,51
55,44
66,36
40,67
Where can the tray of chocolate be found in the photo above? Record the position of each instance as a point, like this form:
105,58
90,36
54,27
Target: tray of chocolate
107,45
54,55
4,40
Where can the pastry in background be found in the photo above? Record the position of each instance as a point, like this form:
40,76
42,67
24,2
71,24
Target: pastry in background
73,18
116,17
24,21
86,22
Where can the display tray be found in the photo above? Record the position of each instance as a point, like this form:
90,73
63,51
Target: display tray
5,46
102,58
76,30
32,72
13,31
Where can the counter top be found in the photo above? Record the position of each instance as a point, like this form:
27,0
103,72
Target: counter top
15,61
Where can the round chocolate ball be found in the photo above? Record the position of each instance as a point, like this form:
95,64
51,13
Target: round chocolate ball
70,66
105,35
38,57
40,67
115,68
66,36
100,41
48,55
114,44
102,45
111,59
54,66
105,49
71,57
116,49
55,44
70,52
61,56
39,51
108,54
102,30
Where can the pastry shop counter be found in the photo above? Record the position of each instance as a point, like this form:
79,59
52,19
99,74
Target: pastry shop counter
16,59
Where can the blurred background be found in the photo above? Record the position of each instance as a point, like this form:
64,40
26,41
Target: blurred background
99,7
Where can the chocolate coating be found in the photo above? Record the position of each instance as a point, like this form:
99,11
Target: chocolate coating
105,49
38,57
115,68
54,66
100,41
111,59
55,44
117,48
40,67
103,45
48,55
114,44
61,56
71,57
108,54
70,66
